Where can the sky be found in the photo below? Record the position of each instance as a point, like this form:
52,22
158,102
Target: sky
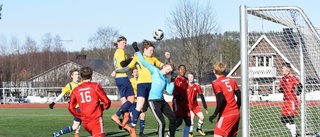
75,21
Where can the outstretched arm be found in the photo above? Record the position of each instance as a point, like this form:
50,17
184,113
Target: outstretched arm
125,62
145,63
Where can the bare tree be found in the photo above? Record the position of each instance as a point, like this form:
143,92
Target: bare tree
3,45
193,23
101,43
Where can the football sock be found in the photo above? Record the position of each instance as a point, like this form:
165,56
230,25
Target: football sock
292,128
142,123
200,122
125,106
135,116
186,131
66,130
191,126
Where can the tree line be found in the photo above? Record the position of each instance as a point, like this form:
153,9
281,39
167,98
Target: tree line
195,42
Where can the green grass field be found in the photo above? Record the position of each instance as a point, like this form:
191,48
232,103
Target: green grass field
41,122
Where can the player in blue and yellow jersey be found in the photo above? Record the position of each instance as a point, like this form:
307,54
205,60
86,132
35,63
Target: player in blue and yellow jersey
159,84
123,83
74,74
144,79
134,83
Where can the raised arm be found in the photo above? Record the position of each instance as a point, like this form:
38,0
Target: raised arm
145,63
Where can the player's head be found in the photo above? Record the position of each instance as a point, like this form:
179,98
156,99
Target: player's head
182,70
190,76
74,74
167,68
219,68
86,73
135,73
148,48
121,42
286,67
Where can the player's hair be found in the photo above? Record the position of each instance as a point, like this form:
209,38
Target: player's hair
86,73
191,73
121,38
146,44
181,66
286,64
219,68
73,70
169,64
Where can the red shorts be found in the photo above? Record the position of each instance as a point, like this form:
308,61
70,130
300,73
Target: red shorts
289,108
95,127
195,110
180,109
227,125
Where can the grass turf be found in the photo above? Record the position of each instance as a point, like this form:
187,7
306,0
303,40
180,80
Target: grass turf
41,122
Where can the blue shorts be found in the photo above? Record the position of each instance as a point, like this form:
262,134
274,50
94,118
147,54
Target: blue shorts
143,90
75,118
124,86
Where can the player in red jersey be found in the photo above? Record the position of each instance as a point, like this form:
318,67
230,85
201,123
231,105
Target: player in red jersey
290,100
193,90
180,100
227,107
89,95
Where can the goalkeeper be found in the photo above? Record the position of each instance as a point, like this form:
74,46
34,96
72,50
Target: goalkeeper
290,100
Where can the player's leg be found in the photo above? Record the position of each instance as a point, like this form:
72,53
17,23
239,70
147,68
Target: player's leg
199,113
167,111
289,107
192,115
156,108
186,129
142,124
288,121
142,94
126,92
96,127
67,129
76,124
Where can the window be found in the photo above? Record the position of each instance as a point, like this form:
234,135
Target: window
264,61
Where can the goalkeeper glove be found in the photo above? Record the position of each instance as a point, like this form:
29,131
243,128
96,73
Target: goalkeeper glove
135,46
51,105
213,116
173,77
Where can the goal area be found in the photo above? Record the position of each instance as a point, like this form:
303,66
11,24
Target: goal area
271,36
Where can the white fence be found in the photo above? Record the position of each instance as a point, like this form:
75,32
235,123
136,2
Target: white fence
48,94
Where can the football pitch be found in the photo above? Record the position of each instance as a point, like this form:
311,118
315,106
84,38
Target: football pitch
41,122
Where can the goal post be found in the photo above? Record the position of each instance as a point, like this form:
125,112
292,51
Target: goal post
269,37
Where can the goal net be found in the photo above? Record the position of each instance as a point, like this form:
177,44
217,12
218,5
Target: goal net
276,35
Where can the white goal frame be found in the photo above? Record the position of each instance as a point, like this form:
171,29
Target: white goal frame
244,12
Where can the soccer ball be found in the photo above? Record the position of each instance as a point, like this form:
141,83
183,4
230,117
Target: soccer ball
158,34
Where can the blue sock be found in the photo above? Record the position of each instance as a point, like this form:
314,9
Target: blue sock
142,123
66,130
125,106
135,116
132,107
186,131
